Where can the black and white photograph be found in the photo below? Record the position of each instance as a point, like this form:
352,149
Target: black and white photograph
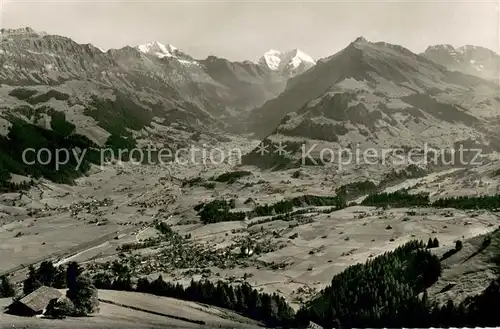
246,164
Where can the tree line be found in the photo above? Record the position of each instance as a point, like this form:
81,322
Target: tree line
405,199
219,210
271,309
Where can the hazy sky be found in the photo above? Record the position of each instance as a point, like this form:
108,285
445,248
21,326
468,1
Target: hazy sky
241,30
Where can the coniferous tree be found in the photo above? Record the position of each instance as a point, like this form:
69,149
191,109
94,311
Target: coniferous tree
31,283
6,288
73,271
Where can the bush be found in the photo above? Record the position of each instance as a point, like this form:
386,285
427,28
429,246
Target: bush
192,182
209,186
59,309
47,96
231,177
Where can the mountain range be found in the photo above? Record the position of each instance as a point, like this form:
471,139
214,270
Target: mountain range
159,78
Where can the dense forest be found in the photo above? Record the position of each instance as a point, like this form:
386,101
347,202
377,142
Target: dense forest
396,199
23,136
116,116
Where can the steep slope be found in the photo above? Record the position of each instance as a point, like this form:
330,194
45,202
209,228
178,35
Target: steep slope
478,61
383,95
250,84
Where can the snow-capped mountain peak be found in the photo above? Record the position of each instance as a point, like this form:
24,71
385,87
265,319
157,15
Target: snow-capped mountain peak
158,49
298,57
288,61
272,58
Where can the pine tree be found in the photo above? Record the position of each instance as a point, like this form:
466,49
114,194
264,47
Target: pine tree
73,271
143,285
46,273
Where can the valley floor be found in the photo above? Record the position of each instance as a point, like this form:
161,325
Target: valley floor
118,205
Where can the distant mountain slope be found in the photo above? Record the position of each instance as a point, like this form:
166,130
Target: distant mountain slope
250,84
478,61
378,94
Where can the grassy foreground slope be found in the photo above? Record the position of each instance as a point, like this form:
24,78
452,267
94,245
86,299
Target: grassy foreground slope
120,309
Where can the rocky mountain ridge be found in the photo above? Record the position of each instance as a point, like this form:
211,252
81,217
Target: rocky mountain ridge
469,59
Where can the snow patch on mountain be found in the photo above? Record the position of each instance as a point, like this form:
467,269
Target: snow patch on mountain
290,60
